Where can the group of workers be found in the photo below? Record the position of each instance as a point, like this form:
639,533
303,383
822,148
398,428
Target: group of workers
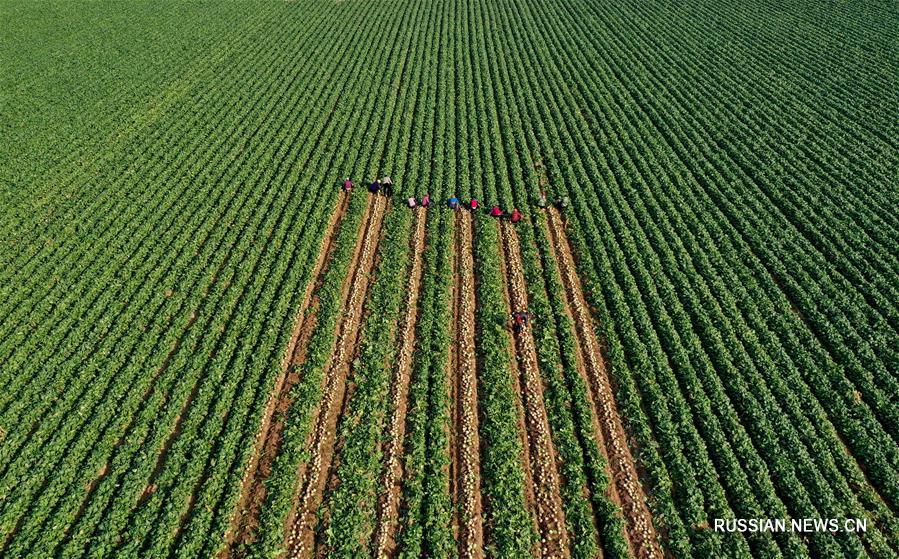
455,204
384,186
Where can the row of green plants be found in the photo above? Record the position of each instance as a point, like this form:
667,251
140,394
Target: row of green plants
281,483
570,414
780,271
352,509
225,447
123,382
623,226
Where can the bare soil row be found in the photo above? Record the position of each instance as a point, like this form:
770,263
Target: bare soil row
315,472
466,475
626,489
545,477
245,518
388,510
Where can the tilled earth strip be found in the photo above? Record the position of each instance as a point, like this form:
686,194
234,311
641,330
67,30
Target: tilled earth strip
466,478
550,517
642,536
314,473
393,472
268,438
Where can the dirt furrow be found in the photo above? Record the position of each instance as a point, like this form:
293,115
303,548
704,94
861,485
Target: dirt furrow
314,474
466,474
550,517
245,517
393,471
641,533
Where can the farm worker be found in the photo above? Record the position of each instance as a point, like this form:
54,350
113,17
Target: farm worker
541,202
520,320
426,201
495,211
347,184
473,204
562,202
454,203
375,186
411,202
387,186
516,216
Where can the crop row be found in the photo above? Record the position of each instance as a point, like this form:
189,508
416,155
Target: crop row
587,155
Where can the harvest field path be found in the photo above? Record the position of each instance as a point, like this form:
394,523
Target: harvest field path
545,477
465,477
625,486
388,510
314,472
267,444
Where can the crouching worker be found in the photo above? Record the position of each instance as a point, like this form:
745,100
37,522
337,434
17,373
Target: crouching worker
453,203
411,201
516,216
387,186
519,321
496,212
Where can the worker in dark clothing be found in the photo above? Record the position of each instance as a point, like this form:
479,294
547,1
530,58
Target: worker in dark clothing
387,186
519,321
347,185
516,216
562,202
375,186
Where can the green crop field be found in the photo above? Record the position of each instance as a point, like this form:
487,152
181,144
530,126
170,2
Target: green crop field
208,348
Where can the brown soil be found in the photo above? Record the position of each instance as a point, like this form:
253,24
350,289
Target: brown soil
550,517
388,509
315,472
465,478
245,517
521,426
627,491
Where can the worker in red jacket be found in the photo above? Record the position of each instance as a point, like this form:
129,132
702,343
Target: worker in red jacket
519,321
516,216
495,211
347,184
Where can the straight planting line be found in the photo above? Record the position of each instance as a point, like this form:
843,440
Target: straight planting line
252,489
548,499
314,473
393,473
466,476
642,537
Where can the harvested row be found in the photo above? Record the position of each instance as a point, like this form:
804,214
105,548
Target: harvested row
548,502
393,471
252,492
626,484
465,479
314,471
